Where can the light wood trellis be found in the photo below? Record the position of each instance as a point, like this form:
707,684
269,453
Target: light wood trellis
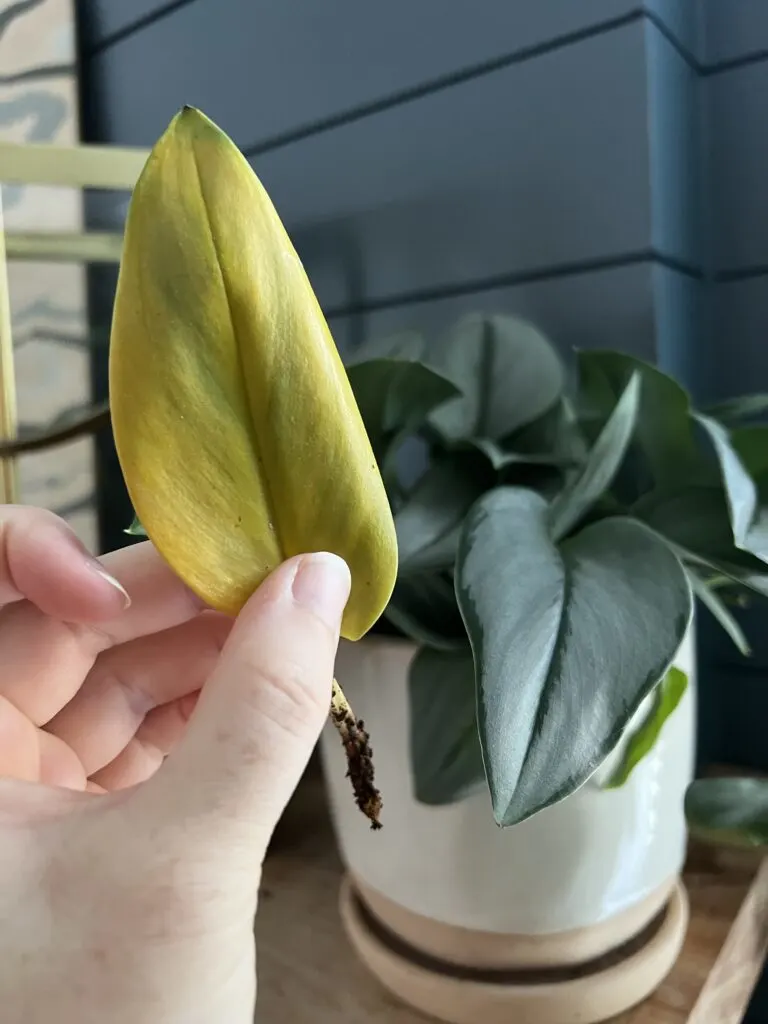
84,166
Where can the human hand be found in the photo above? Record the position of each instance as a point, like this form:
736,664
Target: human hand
128,879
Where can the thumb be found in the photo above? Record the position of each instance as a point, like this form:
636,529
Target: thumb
261,712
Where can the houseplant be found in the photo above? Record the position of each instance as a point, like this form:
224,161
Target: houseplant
215,327
549,546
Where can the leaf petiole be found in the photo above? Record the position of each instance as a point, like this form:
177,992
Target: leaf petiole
356,743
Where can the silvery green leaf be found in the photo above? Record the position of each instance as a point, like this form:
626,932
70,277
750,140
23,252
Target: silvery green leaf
560,635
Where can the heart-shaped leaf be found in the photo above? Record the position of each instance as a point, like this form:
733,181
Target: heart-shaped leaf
235,424
666,699
604,459
710,599
508,372
729,810
568,641
423,606
446,759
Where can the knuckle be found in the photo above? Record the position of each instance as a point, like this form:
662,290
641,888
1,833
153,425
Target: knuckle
90,639
286,694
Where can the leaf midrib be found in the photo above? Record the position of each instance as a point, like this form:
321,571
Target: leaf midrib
554,661
269,499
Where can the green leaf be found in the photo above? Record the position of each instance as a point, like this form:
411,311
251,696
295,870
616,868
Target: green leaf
665,437
740,489
423,606
396,395
136,529
428,522
712,601
735,409
568,641
667,697
405,346
446,759
694,517
733,811
508,372
739,574
438,556
602,463
696,520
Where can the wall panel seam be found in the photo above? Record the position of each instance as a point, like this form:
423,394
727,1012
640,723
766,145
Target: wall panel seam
740,274
159,14
421,90
443,82
516,279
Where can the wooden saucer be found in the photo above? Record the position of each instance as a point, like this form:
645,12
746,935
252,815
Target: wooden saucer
586,994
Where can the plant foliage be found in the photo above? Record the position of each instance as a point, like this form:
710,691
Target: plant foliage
550,549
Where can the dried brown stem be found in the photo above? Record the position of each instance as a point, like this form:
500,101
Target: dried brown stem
356,743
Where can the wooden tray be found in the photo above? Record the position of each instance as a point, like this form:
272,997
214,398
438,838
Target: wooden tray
308,973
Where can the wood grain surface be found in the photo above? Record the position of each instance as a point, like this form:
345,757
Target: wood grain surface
308,973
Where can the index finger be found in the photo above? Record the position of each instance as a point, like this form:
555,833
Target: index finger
43,561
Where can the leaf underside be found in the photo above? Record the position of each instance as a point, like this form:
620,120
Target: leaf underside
666,700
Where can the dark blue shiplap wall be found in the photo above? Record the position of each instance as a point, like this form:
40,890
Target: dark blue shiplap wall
439,156
598,166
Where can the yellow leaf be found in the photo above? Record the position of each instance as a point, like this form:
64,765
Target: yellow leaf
235,424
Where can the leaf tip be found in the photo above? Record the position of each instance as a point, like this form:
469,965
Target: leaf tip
192,124
189,115
135,529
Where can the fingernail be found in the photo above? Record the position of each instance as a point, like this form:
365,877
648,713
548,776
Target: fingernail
99,569
322,584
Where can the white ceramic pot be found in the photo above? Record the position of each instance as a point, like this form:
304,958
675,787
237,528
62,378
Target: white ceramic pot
569,884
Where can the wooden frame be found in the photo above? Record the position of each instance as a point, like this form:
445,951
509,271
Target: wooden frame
83,166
